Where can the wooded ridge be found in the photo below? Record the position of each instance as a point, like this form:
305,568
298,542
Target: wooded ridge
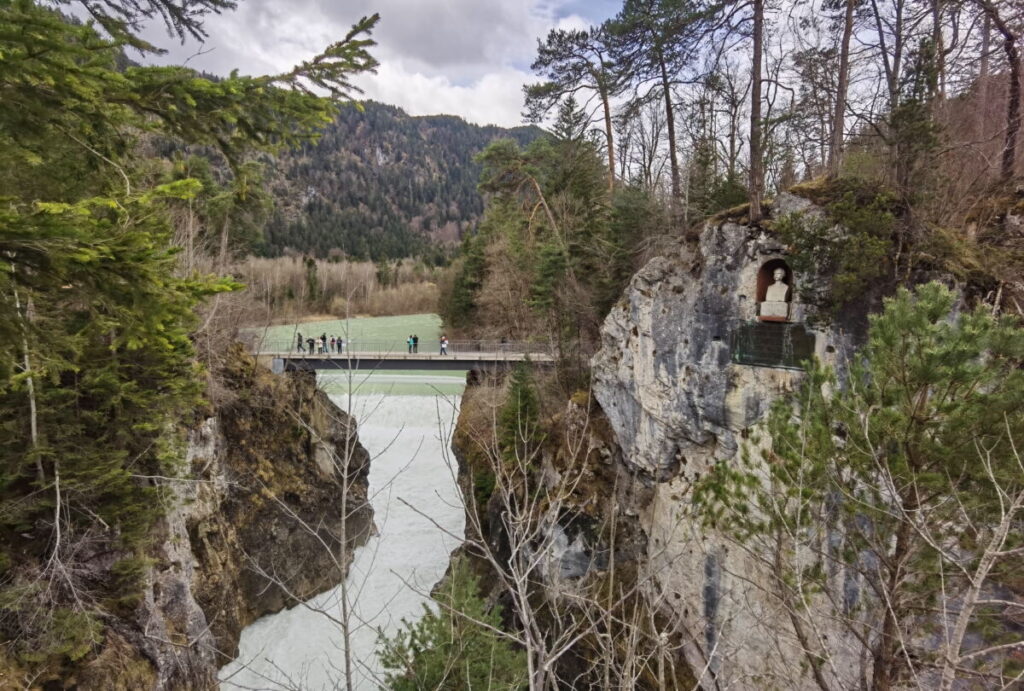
381,184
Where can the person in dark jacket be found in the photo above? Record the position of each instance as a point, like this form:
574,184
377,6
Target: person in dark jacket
415,343
298,343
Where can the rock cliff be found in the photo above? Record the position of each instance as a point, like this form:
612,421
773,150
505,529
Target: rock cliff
255,523
686,372
672,380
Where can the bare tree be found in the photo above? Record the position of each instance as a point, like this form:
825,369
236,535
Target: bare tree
586,604
756,179
1013,101
835,153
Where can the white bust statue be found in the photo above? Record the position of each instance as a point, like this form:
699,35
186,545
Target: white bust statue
778,291
776,299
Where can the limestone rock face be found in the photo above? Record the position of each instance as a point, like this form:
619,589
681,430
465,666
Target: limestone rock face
664,375
255,525
667,379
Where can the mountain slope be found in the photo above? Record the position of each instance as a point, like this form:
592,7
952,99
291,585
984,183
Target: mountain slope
381,184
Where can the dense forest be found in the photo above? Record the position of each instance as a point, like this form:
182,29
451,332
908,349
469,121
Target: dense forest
380,184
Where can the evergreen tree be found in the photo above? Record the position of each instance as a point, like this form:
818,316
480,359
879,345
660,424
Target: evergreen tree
96,360
909,466
456,645
575,61
654,40
519,420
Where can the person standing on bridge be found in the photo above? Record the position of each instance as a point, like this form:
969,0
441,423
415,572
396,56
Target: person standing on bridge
408,342
310,342
444,344
298,343
334,343
415,343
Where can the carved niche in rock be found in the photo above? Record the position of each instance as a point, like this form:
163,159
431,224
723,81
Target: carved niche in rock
774,291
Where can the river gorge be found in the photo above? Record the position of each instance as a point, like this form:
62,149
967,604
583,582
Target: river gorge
405,422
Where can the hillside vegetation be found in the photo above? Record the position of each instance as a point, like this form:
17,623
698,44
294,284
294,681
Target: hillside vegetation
381,184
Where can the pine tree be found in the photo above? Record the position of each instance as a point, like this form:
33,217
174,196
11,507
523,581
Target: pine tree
519,419
97,367
910,466
455,645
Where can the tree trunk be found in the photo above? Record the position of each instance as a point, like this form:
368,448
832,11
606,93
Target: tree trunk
938,47
608,136
897,55
884,663
981,112
222,255
756,174
30,385
670,121
1013,94
835,154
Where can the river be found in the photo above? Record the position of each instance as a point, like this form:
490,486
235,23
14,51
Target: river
405,425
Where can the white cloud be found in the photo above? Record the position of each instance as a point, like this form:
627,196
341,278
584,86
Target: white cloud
496,98
463,57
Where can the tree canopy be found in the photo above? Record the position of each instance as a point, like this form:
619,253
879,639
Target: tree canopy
97,367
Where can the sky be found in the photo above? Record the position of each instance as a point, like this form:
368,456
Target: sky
462,57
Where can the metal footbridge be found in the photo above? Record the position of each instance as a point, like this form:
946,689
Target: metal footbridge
396,355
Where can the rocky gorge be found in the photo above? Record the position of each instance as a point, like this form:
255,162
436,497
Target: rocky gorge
273,470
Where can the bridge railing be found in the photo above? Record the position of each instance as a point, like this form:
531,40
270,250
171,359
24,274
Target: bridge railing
393,348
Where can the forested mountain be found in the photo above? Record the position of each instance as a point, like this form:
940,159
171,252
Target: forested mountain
381,184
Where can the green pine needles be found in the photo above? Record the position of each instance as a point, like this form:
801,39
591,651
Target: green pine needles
853,243
97,311
519,432
906,476
458,644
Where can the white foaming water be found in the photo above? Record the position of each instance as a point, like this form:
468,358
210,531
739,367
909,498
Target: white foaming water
417,511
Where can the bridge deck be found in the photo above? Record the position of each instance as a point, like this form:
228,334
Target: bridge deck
370,360
412,357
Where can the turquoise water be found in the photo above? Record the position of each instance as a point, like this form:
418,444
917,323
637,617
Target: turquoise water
419,515
391,331
393,382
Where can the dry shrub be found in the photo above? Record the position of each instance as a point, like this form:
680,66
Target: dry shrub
293,287
503,303
409,298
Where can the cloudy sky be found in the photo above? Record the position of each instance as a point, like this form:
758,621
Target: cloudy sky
467,57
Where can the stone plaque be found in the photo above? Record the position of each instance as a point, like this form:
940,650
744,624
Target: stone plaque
772,344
